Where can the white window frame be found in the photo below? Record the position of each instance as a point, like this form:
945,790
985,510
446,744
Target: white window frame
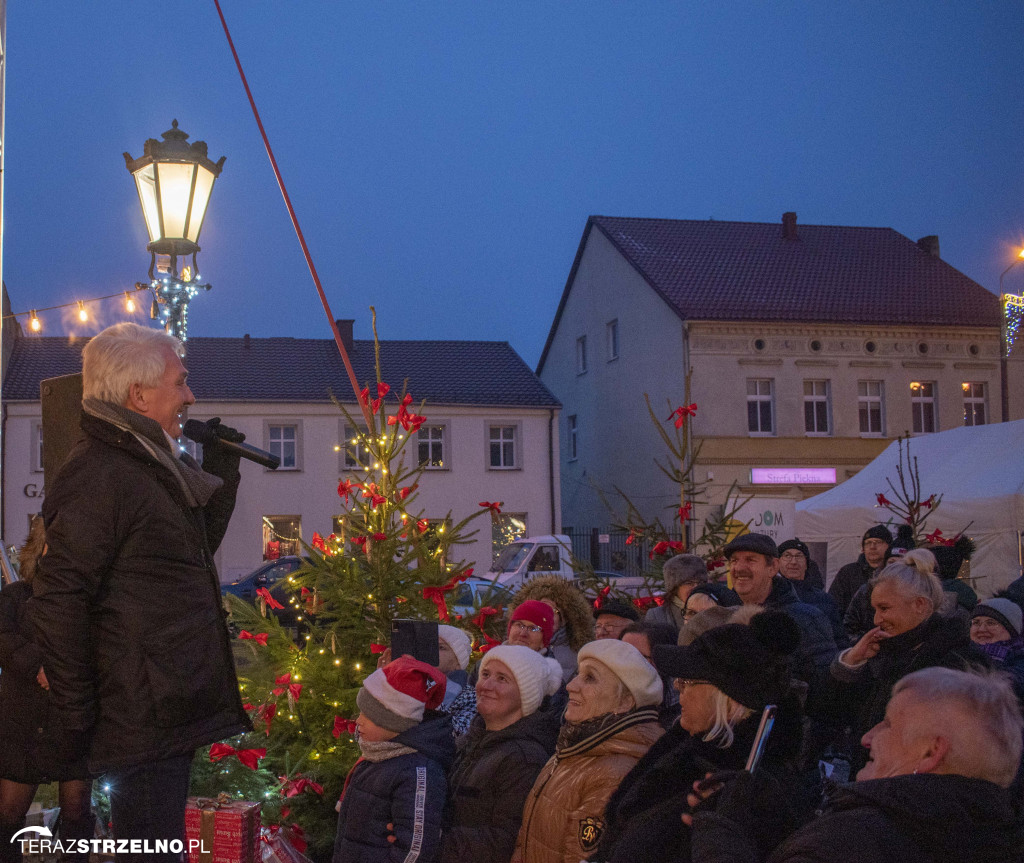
572,437
349,460
515,441
612,338
866,400
759,398
919,402
269,424
581,355
973,400
444,444
816,398
37,446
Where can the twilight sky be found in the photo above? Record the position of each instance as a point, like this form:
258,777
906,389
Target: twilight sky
443,157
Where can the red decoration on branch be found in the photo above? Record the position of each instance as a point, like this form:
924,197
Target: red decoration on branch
379,537
267,712
485,612
264,594
318,543
489,643
342,725
666,546
681,413
685,512
403,493
260,638
883,500
602,594
294,787
377,648
382,390
495,507
249,757
422,525
645,602
284,682
346,487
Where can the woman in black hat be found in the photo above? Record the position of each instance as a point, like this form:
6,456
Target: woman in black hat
725,679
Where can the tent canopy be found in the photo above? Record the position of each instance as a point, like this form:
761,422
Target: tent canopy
978,470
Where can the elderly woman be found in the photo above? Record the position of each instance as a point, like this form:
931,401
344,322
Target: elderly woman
996,630
610,722
934,789
725,678
681,575
908,635
573,623
499,759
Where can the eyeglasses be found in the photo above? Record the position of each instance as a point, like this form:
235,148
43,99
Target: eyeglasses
524,627
875,543
683,682
610,627
791,555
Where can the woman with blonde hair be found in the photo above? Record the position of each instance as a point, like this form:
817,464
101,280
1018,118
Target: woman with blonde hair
909,634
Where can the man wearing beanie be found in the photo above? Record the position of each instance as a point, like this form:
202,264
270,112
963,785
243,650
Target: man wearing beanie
612,616
874,547
794,562
397,788
453,650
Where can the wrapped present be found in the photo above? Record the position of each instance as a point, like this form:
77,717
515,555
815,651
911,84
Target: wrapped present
222,830
279,845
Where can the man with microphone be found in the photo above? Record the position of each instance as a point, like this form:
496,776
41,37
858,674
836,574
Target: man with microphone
127,603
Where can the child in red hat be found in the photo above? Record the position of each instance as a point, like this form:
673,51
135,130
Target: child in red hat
394,796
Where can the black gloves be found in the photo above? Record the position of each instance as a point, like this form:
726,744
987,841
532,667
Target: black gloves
218,460
756,804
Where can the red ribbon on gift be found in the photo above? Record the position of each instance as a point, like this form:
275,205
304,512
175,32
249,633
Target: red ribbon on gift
264,594
260,638
249,757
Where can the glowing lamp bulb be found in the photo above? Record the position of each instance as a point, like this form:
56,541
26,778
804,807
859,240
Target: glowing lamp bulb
129,303
83,315
34,323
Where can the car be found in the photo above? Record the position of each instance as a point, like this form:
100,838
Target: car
273,575
631,585
474,593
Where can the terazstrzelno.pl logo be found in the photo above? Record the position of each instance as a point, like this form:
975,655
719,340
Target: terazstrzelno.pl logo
39,840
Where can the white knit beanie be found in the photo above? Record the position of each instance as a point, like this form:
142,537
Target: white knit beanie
628,664
458,640
536,675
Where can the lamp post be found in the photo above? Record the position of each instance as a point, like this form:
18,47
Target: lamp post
1005,301
174,180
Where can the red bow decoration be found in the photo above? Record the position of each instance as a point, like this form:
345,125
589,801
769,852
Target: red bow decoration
410,422
436,594
681,413
364,396
346,487
360,541
403,493
294,689
267,712
665,546
376,498
342,725
294,787
716,562
685,511
422,525
305,592
490,642
601,596
485,612
382,390
297,836
264,594
495,507
883,500
929,503
379,537
318,543
936,538
645,602
377,648
249,757
260,638
631,538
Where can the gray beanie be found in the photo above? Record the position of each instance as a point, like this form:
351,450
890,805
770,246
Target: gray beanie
683,569
1004,611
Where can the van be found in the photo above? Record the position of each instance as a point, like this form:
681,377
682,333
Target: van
524,558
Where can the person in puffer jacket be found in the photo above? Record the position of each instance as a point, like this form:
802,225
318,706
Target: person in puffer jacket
610,723
393,798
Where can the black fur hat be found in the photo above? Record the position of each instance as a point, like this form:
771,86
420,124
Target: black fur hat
903,542
951,557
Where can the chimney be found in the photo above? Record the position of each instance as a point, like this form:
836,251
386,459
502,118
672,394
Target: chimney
789,226
930,244
345,331
245,342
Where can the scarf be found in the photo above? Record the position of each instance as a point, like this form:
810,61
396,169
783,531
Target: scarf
381,750
1001,649
577,737
196,485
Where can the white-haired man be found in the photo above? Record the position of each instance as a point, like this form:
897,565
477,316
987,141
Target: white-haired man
126,600
934,789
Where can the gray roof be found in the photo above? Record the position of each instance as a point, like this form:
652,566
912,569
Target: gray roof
748,271
310,370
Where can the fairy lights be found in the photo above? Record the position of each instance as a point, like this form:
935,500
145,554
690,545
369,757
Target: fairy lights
83,309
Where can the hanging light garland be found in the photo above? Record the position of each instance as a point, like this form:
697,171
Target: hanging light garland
35,323
1013,308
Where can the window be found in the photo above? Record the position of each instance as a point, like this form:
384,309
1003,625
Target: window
506,528
612,330
975,396
284,441
37,447
431,447
922,406
581,355
572,437
357,453
760,406
281,535
869,406
503,446
816,408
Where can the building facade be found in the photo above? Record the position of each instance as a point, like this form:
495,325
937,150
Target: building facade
491,435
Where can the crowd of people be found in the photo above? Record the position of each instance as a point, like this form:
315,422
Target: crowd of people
602,735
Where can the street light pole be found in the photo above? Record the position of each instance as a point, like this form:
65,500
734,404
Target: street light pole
1006,300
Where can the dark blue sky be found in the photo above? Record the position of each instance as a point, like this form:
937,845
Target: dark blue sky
443,157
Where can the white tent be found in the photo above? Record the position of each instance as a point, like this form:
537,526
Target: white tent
980,473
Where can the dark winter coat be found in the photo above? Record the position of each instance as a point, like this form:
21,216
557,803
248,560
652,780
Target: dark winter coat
807,592
642,819
407,792
27,737
127,608
487,787
849,580
913,819
859,696
817,646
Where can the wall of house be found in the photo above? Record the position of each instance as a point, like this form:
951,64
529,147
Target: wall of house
616,440
310,491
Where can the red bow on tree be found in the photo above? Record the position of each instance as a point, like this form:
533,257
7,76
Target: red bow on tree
681,413
377,648
376,498
318,543
883,500
264,594
410,422
665,546
260,638
929,503
936,538
436,593
294,787
294,689
267,712
249,757
342,725
685,511
490,642
403,493
379,537
645,602
633,536
359,540
715,563
485,612
495,507
422,525
601,596
346,487
382,390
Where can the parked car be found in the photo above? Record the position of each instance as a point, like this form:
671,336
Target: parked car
631,585
273,575
549,554
474,593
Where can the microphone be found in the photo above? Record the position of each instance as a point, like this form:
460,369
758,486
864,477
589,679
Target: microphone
200,432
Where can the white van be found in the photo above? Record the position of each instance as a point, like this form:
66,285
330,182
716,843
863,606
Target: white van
529,556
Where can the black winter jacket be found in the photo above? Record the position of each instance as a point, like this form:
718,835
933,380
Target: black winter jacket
817,645
127,608
407,792
487,788
849,580
27,740
807,592
917,819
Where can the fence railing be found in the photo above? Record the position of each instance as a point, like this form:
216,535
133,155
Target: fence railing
606,549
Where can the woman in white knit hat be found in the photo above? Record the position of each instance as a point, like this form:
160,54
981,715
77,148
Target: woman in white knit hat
453,651
610,722
497,761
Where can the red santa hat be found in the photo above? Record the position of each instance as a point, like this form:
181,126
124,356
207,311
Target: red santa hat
394,697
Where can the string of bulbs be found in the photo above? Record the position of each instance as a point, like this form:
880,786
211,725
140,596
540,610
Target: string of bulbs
36,325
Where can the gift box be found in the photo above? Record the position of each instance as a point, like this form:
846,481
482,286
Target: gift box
279,846
222,830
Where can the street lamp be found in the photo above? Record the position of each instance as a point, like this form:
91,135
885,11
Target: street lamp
174,181
1005,302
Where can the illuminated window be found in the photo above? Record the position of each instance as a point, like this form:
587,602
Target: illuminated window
281,536
431,447
922,407
357,453
975,399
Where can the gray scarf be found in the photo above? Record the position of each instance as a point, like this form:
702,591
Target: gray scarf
197,485
382,750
